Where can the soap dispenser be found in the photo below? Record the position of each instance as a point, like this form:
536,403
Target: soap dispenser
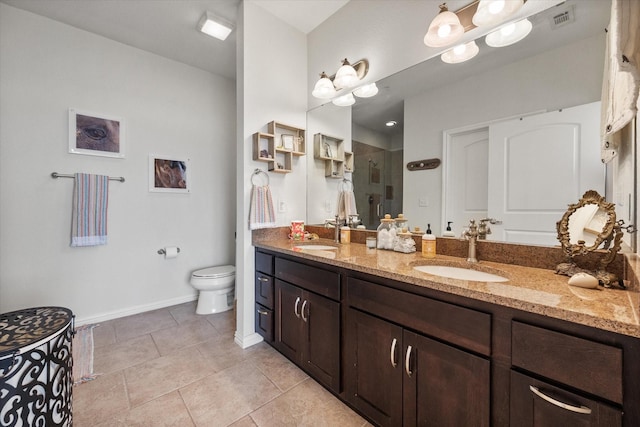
428,243
448,232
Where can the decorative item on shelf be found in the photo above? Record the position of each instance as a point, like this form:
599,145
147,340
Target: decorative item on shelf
265,154
287,141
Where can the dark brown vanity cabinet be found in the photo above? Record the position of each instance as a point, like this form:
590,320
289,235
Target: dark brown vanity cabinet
264,292
307,322
397,369
587,377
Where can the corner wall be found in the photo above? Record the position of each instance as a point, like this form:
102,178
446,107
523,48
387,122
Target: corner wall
169,109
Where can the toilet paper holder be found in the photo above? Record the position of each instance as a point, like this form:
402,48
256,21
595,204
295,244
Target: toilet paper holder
161,251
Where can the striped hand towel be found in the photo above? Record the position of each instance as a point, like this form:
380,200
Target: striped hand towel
261,213
89,211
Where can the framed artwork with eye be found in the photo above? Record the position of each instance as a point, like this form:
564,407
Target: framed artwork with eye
95,134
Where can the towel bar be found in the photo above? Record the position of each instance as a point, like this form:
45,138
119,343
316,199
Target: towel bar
64,175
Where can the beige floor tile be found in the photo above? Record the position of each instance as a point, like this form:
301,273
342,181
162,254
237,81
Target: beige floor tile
166,411
223,322
307,404
228,396
244,422
279,369
104,334
222,352
185,312
99,400
143,323
124,354
157,377
183,335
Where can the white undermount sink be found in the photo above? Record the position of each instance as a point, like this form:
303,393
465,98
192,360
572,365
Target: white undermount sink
315,247
460,273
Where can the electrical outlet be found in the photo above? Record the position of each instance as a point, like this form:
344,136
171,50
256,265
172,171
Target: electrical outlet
327,206
282,206
423,201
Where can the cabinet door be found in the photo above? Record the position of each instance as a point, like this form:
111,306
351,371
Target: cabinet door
288,339
537,404
444,386
264,322
373,367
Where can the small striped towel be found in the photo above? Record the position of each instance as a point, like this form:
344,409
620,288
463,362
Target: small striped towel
261,213
89,211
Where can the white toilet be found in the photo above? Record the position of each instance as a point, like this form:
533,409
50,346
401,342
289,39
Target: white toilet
217,288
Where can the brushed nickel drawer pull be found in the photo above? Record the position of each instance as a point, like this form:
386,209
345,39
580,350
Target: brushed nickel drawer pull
295,307
263,312
304,304
407,361
578,409
263,279
394,363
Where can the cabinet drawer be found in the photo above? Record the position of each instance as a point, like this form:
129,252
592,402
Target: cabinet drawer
587,365
322,282
264,263
461,326
264,289
264,322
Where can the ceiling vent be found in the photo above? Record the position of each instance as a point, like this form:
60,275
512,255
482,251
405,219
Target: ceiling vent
563,17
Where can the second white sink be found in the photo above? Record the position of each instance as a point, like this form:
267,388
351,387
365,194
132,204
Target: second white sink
460,273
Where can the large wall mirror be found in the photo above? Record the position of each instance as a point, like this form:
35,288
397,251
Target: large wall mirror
559,66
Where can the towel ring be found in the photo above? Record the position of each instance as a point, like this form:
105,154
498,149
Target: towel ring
258,172
346,185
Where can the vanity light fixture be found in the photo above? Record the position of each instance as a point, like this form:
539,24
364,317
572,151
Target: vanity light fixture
509,34
344,100
215,26
366,91
462,52
445,29
491,12
324,88
346,76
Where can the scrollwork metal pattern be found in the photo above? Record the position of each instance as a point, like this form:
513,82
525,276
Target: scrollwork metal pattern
36,384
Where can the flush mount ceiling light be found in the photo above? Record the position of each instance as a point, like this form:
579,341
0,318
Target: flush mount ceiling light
324,88
509,34
344,100
494,11
460,53
445,29
366,91
391,123
215,26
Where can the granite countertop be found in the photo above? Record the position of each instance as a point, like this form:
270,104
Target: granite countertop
533,290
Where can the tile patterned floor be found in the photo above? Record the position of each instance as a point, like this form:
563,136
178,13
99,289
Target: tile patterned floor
172,367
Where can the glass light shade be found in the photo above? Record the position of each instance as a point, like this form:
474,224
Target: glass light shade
509,34
366,91
460,53
346,76
445,29
491,12
324,88
344,100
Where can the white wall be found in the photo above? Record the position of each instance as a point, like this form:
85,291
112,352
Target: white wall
169,108
271,86
572,76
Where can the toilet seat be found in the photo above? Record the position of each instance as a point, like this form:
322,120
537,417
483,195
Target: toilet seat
216,272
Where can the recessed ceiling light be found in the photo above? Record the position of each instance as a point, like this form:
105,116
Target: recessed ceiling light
215,26
391,123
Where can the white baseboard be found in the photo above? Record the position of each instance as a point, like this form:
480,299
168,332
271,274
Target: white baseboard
128,311
248,341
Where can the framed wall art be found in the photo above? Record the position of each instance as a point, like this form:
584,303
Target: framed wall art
95,134
169,174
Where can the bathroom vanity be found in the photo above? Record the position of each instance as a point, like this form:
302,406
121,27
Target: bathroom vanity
403,347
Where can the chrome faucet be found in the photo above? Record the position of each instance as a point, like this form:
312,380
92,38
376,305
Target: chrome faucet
471,235
336,224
